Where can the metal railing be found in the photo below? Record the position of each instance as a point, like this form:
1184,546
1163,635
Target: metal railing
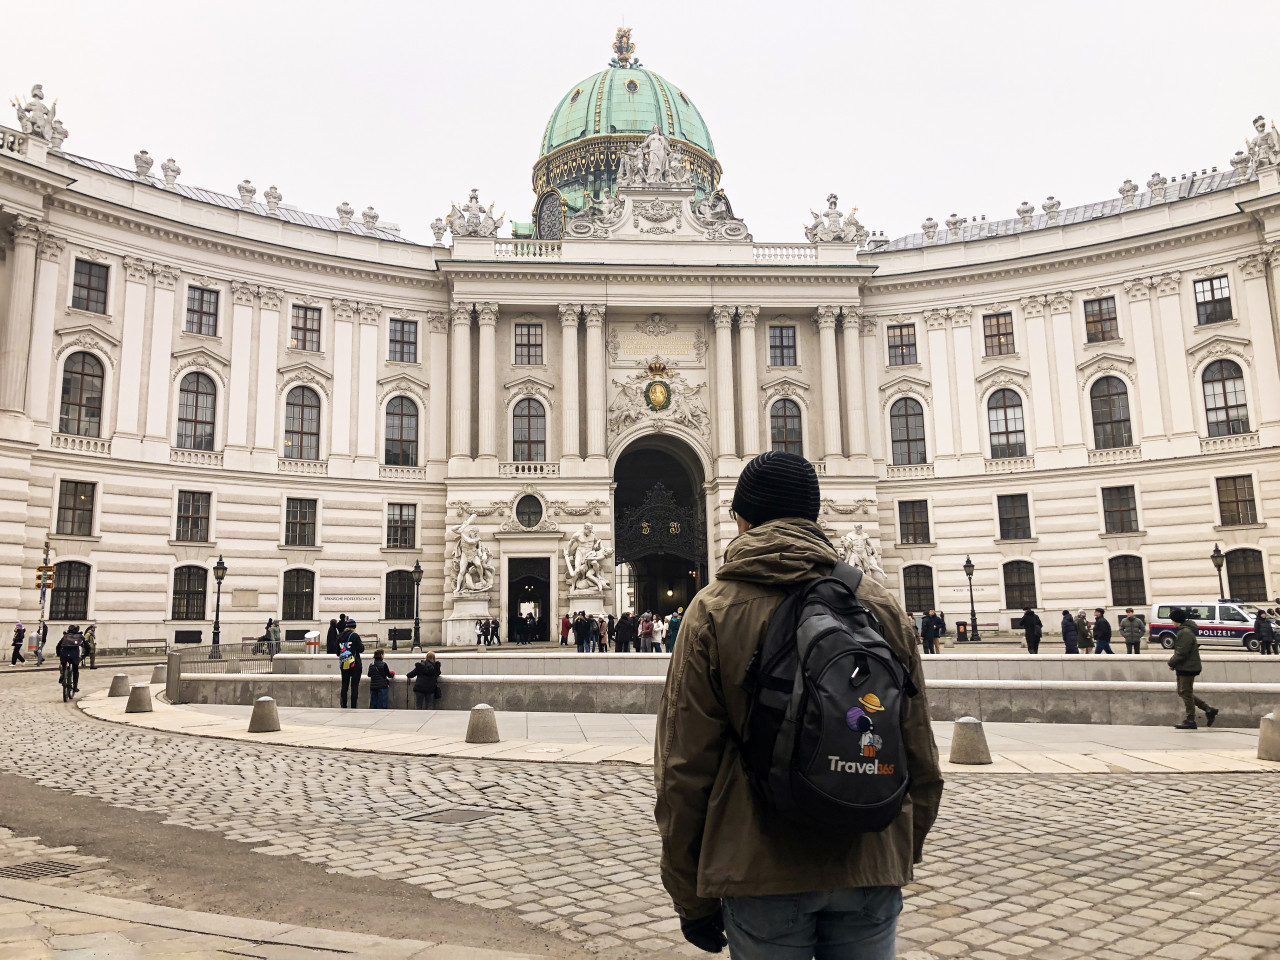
256,657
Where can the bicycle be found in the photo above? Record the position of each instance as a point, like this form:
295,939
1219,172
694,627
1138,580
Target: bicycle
66,677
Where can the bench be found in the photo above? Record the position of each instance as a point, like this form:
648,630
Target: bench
158,642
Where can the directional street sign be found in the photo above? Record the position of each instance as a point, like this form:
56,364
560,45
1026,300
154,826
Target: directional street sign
44,569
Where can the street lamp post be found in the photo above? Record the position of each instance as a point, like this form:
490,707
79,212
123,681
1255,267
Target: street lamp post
219,571
417,622
1218,558
973,613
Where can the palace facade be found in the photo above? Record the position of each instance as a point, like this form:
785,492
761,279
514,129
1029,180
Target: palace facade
1082,400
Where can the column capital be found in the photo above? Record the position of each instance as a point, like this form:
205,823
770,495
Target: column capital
271,297
436,322
1255,265
487,314
1033,306
1167,284
825,317
242,293
1139,288
593,314
723,316
136,269
50,247
344,309
1060,302
26,231
460,314
569,313
747,317
369,312
166,276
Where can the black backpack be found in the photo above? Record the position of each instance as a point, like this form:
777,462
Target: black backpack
823,741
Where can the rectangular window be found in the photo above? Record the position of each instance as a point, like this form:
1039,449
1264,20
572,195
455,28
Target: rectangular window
1015,517
529,343
401,523
1213,300
75,509
902,345
300,523
913,521
193,516
404,341
1235,501
304,330
89,289
782,346
1119,509
202,311
1128,586
997,332
1100,320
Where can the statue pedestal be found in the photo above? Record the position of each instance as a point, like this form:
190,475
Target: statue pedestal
460,628
589,602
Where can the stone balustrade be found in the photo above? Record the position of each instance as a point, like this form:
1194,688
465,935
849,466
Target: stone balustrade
785,253
200,458
315,468
13,141
528,469
527,249
914,471
387,472
70,441
1239,441
1115,455
1010,464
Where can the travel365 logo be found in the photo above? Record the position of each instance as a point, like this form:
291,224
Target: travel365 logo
859,720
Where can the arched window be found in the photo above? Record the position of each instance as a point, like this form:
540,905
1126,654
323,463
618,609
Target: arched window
189,585
399,604
906,427
1008,436
784,427
299,594
1224,404
1019,585
1128,587
82,379
529,432
70,597
302,425
1246,578
917,588
1109,398
402,432
196,404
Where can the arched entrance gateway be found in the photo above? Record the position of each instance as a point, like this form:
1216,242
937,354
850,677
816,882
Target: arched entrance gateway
660,526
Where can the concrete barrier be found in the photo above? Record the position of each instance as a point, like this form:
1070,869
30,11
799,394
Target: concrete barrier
119,685
159,673
1269,737
139,699
173,679
968,742
265,717
482,725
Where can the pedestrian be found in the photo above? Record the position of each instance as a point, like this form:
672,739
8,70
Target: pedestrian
350,646
1032,627
495,632
19,636
777,888
426,681
380,674
482,631
530,629
90,645
565,625
273,639
593,634
42,635
1085,630
673,628
1102,631
611,632
928,631
1265,630
1070,633
331,638
1185,663
581,632
604,634
646,633
1133,628
625,633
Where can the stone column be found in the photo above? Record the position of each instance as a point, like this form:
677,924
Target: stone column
267,400
594,315
438,366
825,318
1257,304
344,347
460,392
855,410
725,440
486,384
569,374
748,382
45,306
15,345
159,389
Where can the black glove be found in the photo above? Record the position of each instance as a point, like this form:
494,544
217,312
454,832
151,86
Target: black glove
705,933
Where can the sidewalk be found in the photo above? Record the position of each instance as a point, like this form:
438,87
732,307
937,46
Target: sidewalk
624,738
39,921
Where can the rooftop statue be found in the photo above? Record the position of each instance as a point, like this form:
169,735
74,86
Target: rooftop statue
714,214
595,219
473,219
657,159
1265,147
837,228
34,117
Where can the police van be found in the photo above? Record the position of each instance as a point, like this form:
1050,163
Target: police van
1218,623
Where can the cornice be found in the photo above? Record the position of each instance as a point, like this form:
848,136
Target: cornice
651,273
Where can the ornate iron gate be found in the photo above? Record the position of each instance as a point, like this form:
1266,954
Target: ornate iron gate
661,525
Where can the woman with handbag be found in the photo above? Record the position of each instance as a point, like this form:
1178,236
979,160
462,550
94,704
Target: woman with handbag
426,682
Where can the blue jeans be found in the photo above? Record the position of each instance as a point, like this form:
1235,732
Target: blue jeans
378,698
859,923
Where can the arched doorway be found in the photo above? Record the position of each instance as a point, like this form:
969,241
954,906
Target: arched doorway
660,526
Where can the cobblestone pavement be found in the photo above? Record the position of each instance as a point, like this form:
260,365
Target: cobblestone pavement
1050,867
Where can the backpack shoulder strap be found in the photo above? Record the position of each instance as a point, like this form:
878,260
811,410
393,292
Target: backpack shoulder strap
850,576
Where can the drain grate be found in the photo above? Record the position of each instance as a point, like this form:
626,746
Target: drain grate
453,815
39,868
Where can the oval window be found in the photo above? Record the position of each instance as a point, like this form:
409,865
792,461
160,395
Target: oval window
632,86
529,511
576,94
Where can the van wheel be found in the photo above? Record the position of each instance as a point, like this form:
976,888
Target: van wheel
1252,643
1166,640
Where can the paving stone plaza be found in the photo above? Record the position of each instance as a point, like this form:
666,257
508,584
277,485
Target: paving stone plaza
1062,866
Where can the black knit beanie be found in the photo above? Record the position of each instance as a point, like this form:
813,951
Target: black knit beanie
776,485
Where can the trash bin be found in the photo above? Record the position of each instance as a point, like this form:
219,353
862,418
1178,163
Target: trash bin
962,631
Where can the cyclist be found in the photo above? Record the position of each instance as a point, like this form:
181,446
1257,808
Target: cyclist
71,650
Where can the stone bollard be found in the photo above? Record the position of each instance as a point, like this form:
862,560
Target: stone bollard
119,685
265,718
482,726
1269,737
968,742
160,673
139,699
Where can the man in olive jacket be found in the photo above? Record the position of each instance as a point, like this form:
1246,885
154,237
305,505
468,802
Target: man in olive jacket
720,845
1185,663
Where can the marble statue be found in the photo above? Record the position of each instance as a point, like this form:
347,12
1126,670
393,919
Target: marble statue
595,219
857,550
715,216
837,228
631,166
475,564
677,168
583,556
1265,147
171,172
438,228
58,135
273,198
34,117
658,147
473,219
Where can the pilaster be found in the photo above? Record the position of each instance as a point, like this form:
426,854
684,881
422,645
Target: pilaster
748,381
344,345
1142,324
1257,304
825,319
723,318
15,344
159,384
593,315
49,254
569,425
438,365
486,385
369,316
266,398
460,387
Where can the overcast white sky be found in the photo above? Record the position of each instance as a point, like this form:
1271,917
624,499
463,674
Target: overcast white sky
906,110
